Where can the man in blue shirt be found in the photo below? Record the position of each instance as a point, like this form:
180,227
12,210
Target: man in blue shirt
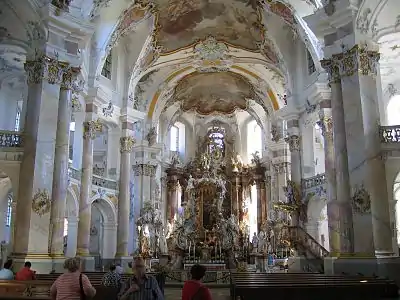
6,273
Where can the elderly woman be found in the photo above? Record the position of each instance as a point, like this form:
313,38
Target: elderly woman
72,284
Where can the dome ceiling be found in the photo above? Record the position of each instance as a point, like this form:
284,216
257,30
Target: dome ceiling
181,23
208,93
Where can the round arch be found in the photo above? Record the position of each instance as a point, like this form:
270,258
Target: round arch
317,220
106,208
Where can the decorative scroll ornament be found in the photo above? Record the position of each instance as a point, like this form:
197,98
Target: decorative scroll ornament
126,144
44,68
108,111
76,105
91,128
276,136
211,55
310,108
294,142
361,200
41,203
326,125
61,5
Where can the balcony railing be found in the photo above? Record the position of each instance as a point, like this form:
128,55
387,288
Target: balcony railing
10,139
317,180
96,180
390,134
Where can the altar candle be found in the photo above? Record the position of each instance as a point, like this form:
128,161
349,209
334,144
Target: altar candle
194,251
220,252
216,249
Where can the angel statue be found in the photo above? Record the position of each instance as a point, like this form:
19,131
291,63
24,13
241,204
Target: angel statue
163,242
256,160
190,183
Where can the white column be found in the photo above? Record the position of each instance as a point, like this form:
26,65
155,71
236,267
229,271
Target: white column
126,147
85,207
109,241
72,237
60,175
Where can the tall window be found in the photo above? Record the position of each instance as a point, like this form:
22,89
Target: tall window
310,63
254,139
17,120
393,110
107,67
216,136
174,139
9,210
65,226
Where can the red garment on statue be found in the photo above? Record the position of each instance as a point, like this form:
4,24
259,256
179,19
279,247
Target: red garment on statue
191,287
25,274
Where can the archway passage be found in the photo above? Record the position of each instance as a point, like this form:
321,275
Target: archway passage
317,220
6,204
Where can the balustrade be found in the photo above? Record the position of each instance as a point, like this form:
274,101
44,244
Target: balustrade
96,180
10,139
390,134
314,181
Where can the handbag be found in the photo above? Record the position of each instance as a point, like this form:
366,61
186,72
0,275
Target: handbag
83,296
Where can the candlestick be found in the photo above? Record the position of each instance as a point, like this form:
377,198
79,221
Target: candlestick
220,251
194,251
216,249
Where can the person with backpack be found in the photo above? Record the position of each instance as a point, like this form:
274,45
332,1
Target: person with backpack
194,289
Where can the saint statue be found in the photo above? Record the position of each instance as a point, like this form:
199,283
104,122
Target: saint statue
190,184
261,242
254,242
163,242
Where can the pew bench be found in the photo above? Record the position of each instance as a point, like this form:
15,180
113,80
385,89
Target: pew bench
309,286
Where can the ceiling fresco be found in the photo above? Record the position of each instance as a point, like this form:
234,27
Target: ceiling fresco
207,93
181,23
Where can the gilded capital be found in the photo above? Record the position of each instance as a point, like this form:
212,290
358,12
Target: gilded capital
326,125
91,128
332,68
126,144
69,77
294,142
44,68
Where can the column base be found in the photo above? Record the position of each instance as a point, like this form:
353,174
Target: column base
88,263
124,261
42,264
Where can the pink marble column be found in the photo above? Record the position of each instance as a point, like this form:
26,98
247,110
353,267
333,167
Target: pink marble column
126,146
85,207
61,157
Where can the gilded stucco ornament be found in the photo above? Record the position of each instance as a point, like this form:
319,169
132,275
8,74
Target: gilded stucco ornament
61,5
91,128
294,142
276,136
69,78
44,68
361,200
126,144
326,125
41,203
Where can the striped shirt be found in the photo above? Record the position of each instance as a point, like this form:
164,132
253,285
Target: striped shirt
148,289
66,287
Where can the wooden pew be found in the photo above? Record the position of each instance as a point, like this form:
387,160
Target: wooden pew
309,286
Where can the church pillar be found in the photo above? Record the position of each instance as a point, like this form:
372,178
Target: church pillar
281,172
172,202
126,147
33,207
235,196
61,157
293,140
358,69
91,128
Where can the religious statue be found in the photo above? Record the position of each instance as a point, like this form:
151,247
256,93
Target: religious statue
163,242
175,161
254,242
169,229
151,136
256,160
261,242
145,244
190,183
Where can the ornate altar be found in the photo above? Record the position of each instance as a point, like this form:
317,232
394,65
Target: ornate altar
212,223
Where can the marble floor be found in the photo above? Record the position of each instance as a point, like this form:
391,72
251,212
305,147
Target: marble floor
217,294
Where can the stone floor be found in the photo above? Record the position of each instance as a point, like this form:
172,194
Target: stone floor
217,294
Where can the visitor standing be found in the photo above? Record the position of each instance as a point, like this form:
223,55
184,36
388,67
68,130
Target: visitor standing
112,278
26,273
140,285
194,289
72,285
6,273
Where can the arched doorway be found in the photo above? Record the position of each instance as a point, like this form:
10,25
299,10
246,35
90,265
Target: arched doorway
71,224
317,222
103,232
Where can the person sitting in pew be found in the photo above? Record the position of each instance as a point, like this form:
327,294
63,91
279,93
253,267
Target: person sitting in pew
26,273
112,278
194,289
72,285
6,273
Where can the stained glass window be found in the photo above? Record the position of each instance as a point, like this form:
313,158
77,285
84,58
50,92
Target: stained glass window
9,210
216,139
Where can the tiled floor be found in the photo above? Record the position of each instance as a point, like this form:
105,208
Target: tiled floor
175,294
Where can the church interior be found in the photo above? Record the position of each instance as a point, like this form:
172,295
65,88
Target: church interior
261,136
